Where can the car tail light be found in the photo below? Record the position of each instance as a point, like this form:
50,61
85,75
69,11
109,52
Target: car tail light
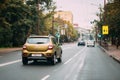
50,47
24,54
24,47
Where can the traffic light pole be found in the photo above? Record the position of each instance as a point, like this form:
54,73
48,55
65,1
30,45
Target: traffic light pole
59,34
53,25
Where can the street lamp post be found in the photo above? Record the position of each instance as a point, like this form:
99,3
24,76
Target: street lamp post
104,3
104,12
53,25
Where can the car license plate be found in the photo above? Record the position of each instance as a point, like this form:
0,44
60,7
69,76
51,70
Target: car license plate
36,54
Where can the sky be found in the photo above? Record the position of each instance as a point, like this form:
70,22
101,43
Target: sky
84,11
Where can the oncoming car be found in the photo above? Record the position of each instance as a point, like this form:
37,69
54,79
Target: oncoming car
41,48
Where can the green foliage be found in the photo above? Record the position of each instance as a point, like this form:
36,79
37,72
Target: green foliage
110,17
19,20
70,33
15,23
113,18
5,27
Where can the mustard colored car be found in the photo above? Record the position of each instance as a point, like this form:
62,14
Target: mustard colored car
41,48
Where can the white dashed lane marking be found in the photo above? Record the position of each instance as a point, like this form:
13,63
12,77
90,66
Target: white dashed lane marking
44,78
8,63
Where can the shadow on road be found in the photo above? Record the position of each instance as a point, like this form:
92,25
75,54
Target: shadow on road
40,63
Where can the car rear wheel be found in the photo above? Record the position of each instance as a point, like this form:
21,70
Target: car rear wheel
59,59
24,61
53,60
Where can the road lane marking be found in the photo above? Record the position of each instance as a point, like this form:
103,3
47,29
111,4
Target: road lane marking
74,71
46,77
8,63
74,56
80,67
68,60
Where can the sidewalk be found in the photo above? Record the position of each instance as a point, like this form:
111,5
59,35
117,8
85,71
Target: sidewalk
113,52
6,50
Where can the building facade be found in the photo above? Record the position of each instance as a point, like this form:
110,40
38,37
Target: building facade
65,15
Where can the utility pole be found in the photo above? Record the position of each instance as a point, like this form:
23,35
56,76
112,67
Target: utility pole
53,24
104,12
104,3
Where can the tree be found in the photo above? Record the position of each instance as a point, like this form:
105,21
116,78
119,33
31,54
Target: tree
42,6
113,19
19,20
15,23
5,27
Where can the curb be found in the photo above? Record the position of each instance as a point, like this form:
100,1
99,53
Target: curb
113,56
7,50
116,58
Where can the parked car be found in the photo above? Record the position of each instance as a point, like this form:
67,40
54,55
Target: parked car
81,42
41,48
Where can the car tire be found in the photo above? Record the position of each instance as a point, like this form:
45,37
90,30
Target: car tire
53,60
35,61
24,61
59,59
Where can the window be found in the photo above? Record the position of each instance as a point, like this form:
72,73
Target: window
38,40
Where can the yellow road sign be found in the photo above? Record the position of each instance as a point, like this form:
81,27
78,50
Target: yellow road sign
105,30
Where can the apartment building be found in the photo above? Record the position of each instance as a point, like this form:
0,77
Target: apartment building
65,15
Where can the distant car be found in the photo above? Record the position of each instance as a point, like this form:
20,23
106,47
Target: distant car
90,43
41,48
81,42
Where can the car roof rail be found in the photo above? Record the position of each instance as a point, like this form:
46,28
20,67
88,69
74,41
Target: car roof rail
32,35
50,35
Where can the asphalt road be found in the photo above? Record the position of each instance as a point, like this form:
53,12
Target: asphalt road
79,63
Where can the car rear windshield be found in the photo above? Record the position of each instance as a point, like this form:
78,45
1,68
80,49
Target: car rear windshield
38,40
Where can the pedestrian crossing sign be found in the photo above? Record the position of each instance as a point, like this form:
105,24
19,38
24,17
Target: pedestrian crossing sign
105,30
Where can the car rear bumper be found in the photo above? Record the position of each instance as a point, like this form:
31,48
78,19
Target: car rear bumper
37,58
91,44
81,43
